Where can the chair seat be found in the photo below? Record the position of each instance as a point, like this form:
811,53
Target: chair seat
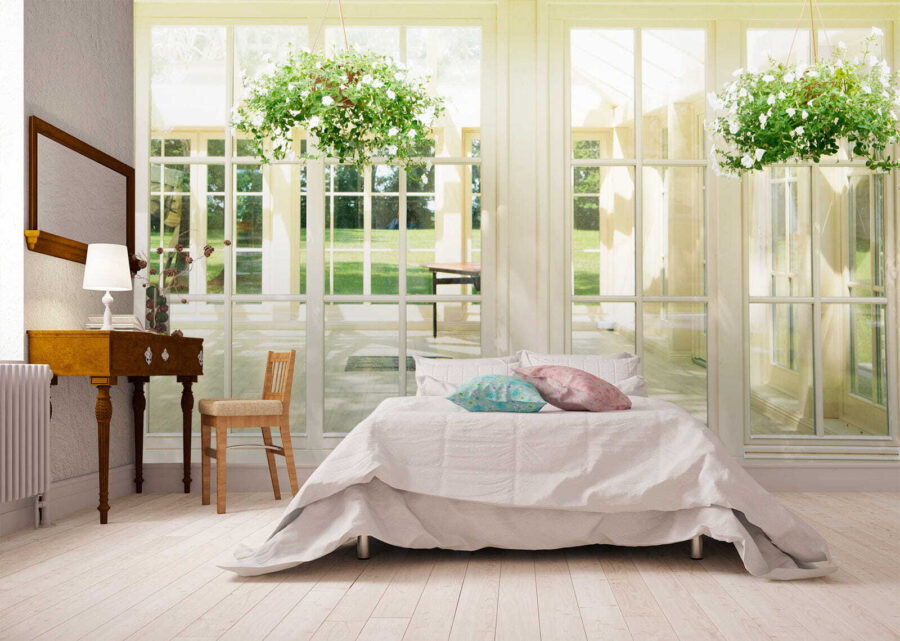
240,407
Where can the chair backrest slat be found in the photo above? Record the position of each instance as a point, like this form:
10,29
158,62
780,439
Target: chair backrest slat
279,376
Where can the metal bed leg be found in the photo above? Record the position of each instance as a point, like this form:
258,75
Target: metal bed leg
696,547
362,547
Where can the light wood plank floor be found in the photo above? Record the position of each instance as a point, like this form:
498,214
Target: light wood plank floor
151,574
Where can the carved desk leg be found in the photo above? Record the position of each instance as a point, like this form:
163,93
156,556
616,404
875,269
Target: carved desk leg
187,412
103,411
138,404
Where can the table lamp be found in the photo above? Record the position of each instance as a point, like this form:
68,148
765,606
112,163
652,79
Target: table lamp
107,270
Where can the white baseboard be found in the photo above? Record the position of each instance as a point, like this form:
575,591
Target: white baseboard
775,476
65,497
242,477
818,476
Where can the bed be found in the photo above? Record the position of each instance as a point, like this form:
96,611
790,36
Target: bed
420,472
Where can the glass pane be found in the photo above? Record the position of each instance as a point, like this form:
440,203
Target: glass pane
174,220
215,236
602,328
780,240
215,178
451,56
852,257
603,231
854,359
248,273
197,320
215,147
781,45
674,358
187,83
853,39
441,330
361,353
674,230
384,41
385,179
257,329
344,179
344,244
385,244
176,147
249,178
257,47
602,62
781,369
673,75
249,221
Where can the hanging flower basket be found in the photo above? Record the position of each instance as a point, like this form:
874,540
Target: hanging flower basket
805,112
358,105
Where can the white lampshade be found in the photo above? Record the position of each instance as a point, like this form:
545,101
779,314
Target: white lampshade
107,268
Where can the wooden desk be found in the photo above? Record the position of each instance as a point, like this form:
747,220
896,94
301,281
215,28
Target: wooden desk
104,356
464,274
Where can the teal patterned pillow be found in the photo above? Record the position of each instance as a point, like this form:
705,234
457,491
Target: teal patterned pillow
496,393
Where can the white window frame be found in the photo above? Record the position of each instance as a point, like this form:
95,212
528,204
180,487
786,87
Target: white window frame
315,443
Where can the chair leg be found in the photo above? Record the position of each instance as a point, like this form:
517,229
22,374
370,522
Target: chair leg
289,456
204,457
270,456
221,479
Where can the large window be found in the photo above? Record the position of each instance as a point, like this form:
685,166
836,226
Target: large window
638,203
817,301
354,253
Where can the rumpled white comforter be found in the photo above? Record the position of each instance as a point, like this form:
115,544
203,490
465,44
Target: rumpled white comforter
420,472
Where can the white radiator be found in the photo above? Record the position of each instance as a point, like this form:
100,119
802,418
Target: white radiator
24,430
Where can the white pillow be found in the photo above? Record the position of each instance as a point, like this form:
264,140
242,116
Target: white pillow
610,367
441,376
633,386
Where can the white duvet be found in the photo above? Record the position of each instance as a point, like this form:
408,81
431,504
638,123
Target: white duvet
420,472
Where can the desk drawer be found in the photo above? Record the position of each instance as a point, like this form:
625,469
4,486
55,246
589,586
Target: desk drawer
145,354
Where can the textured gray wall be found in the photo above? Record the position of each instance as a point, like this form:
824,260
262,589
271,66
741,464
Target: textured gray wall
79,76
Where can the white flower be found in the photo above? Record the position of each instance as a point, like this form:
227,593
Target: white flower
747,161
426,116
762,120
893,116
768,77
836,120
327,100
367,79
391,94
304,93
714,101
411,133
789,77
798,131
812,73
804,114
759,153
877,32
398,76
866,89
391,150
782,95
377,83
770,100
872,60
319,64
314,122
734,128
295,113
742,93
737,72
393,131
791,111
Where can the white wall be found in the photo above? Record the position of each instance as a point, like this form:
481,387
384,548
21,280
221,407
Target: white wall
78,75
12,179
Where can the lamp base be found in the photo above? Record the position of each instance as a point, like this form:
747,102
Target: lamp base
107,314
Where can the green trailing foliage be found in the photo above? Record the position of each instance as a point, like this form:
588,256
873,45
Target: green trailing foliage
358,106
804,113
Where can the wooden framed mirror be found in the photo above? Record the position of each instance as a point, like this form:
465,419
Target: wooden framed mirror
77,195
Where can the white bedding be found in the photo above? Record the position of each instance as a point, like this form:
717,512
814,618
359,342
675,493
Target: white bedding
420,472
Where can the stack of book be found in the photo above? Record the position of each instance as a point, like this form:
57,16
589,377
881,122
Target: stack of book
127,322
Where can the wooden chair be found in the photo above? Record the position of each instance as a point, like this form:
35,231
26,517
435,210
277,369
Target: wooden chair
273,409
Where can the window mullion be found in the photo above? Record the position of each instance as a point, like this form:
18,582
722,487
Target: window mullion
229,258
818,383
638,200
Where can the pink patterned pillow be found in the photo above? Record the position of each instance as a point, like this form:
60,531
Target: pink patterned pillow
573,389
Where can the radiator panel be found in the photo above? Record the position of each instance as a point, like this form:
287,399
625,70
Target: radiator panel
24,430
